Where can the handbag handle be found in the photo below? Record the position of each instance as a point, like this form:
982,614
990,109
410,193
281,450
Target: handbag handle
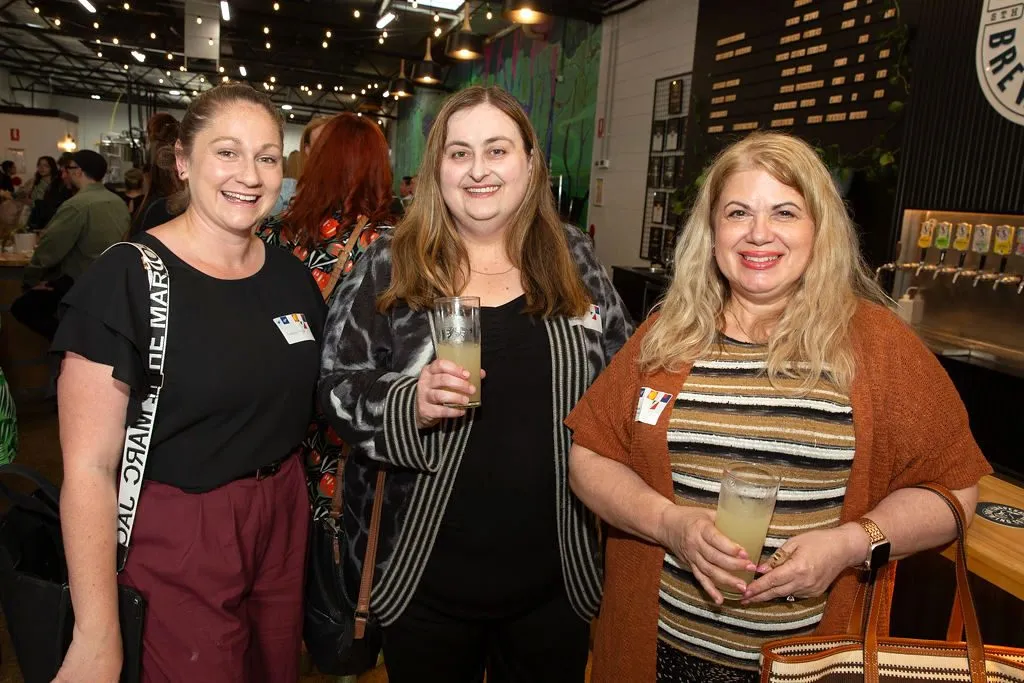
975,646
51,492
343,255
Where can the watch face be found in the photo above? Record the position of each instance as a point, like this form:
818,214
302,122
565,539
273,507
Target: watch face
880,555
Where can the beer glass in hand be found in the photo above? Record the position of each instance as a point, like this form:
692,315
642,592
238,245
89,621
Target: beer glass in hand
746,502
455,327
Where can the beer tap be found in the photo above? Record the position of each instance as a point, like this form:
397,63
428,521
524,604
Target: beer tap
943,235
924,240
1003,247
887,267
1004,240
962,244
981,242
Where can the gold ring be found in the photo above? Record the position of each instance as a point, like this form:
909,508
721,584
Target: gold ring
778,557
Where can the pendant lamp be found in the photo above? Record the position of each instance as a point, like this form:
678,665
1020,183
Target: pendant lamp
401,86
428,71
527,11
464,44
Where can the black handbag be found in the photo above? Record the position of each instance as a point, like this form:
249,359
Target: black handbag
34,590
340,637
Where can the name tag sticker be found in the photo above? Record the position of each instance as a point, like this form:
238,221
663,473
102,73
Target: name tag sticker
591,319
650,405
294,328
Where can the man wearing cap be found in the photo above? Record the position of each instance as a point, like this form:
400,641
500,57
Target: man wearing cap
83,227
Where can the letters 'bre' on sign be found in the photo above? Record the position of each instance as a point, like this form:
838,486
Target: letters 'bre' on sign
1000,57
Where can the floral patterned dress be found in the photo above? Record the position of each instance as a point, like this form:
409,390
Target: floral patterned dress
321,448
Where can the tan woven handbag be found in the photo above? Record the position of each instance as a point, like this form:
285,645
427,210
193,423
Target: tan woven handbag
868,658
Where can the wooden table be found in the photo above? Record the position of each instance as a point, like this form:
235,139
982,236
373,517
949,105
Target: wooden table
995,552
22,351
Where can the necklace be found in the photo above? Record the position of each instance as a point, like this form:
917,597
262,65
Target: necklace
480,272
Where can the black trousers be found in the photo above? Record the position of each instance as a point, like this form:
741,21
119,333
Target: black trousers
547,643
36,309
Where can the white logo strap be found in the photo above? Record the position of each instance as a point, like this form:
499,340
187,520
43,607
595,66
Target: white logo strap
139,435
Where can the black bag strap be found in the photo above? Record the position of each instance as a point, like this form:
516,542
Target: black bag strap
51,492
139,435
47,503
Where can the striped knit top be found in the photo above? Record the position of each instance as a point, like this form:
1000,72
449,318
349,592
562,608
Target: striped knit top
728,411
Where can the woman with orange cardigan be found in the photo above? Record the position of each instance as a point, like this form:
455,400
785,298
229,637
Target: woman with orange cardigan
772,348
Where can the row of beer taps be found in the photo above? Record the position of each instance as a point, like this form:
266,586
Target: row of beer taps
965,238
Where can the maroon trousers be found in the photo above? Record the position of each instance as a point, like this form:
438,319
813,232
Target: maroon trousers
222,573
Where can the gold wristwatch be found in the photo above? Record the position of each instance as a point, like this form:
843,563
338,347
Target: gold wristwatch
878,552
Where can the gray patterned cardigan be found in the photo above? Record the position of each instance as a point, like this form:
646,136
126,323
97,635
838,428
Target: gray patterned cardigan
369,369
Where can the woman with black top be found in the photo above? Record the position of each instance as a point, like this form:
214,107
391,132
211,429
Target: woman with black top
218,546
46,193
159,205
486,561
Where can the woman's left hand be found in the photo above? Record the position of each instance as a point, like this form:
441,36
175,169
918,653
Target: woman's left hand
807,564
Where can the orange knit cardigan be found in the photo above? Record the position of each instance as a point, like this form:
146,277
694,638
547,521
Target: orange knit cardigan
910,427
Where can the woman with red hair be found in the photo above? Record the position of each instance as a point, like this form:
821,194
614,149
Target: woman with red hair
341,206
345,178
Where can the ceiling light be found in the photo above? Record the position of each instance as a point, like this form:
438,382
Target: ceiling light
95,24
291,116
319,86
428,71
363,91
385,19
181,68
353,96
220,69
56,22
437,32
245,73
126,66
375,85
277,6
139,57
381,40
36,9
328,34
355,14
266,86
527,11
465,45
174,93
273,79
199,20
271,87
267,45
286,107
194,93
359,113
95,97
380,122
266,29
437,17
415,4
210,42
202,80
384,34
401,86
224,79
170,56
168,74
152,36
160,81
490,14
127,6
115,41
387,93
225,10
99,54
324,44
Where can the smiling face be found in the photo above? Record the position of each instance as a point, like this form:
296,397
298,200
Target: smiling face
234,169
764,236
485,169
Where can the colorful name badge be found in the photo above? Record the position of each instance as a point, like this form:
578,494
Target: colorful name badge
650,405
294,328
591,319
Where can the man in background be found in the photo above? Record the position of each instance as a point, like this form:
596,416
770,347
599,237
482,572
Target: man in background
7,176
82,229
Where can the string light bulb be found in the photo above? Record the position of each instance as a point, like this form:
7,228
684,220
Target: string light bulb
56,22
437,32
384,34
355,14
490,14
273,79
277,6
99,54
127,6
170,56
152,36
220,69
328,34
437,18
319,86
36,10
115,41
381,40
267,44
324,44
266,30
199,20
224,79
95,24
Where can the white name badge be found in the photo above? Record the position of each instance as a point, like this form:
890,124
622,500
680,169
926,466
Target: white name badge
294,328
650,405
591,319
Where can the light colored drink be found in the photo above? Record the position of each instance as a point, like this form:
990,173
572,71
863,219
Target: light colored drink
466,356
746,502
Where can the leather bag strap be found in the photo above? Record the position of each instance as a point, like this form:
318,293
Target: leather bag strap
343,255
370,558
975,647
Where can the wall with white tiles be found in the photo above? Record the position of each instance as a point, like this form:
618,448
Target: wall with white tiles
651,41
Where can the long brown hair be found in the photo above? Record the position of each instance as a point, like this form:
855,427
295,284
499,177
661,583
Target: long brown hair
349,172
428,256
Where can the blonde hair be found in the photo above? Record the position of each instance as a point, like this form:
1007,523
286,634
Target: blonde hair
811,339
427,254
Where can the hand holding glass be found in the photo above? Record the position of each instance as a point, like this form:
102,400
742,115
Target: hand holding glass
455,327
746,502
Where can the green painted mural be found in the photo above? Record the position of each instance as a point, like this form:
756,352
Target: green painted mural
554,76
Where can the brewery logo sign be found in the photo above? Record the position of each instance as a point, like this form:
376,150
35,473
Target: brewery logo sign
1001,514
999,58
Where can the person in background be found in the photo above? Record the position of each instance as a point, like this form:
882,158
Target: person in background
218,546
158,206
310,135
7,176
133,190
60,189
347,176
486,560
288,184
82,229
772,347
46,172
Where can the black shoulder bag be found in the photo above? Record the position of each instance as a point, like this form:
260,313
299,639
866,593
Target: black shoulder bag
34,590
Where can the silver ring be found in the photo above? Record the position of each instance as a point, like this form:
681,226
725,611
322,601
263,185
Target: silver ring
790,598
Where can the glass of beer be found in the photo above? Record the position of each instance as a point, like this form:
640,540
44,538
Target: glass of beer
455,327
746,502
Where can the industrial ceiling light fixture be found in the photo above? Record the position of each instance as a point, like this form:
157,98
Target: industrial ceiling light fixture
428,71
527,11
401,86
464,44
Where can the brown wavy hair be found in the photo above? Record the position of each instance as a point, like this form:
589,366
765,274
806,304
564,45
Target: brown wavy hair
350,173
428,256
